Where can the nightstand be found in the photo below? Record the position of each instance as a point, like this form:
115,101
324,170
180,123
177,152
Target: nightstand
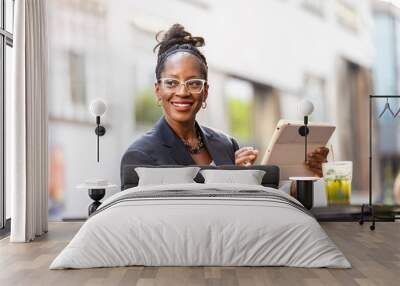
305,190
96,192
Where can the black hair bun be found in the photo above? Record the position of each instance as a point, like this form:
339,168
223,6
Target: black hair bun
176,35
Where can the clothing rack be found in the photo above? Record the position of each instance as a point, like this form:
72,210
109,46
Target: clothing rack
370,206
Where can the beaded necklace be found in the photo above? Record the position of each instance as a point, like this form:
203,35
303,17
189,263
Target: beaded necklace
199,146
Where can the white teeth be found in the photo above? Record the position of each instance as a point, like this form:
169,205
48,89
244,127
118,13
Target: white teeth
181,104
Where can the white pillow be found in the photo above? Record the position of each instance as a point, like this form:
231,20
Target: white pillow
248,177
161,176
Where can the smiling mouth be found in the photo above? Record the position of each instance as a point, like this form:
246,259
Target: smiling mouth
181,104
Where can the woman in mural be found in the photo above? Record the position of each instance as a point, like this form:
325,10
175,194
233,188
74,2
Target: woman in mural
182,90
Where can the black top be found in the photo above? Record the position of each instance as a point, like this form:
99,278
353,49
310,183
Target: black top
161,146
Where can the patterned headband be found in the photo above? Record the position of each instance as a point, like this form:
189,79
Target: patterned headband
179,48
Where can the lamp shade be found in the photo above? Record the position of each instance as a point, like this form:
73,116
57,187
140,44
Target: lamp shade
306,107
97,107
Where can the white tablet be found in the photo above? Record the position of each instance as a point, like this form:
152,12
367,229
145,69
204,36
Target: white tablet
286,148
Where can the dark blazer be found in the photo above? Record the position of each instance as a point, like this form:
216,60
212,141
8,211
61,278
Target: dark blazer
161,146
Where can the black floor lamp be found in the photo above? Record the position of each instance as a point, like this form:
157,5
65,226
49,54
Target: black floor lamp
387,108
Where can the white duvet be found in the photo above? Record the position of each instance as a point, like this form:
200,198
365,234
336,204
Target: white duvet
238,228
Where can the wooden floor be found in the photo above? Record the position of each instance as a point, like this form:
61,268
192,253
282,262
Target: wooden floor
375,257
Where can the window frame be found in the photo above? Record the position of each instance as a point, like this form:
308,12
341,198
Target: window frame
6,39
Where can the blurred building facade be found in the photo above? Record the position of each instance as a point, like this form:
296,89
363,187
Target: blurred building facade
264,57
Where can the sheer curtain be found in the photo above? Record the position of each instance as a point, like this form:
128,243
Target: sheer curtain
27,123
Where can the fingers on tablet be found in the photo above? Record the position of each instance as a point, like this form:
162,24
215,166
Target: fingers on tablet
317,157
324,151
246,156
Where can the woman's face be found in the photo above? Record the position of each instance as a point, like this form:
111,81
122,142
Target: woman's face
181,105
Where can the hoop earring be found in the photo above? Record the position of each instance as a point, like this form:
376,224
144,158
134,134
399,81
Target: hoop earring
204,104
159,101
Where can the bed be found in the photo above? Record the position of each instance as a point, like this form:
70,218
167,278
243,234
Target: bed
201,224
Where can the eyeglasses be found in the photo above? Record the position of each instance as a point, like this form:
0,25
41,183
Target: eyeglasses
194,85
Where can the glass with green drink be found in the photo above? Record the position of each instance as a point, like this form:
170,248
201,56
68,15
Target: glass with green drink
337,176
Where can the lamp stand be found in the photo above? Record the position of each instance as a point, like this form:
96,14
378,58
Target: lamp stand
304,131
100,131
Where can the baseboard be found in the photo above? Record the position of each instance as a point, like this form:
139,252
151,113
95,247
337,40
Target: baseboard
73,219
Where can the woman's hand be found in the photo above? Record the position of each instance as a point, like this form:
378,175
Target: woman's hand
314,163
315,160
246,156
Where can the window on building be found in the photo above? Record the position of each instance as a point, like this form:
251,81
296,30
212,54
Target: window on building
347,15
145,107
239,99
146,111
314,90
77,78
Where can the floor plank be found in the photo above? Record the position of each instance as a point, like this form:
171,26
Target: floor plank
374,255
